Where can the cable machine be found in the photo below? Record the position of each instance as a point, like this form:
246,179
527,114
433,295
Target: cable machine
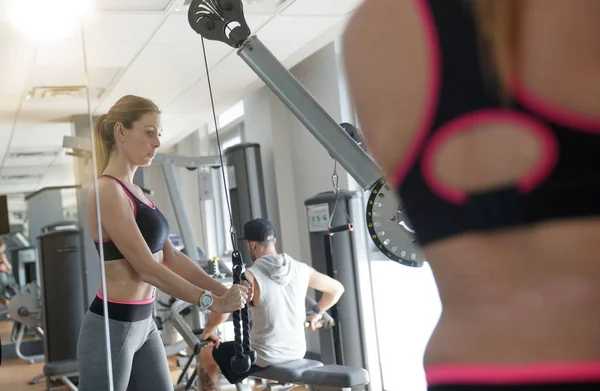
224,21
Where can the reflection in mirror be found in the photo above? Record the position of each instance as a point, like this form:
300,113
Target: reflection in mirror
124,139
132,238
45,297
99,245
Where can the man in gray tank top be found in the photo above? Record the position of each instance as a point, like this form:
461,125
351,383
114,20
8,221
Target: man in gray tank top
278,309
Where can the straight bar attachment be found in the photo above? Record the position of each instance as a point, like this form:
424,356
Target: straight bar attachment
187,161
83,144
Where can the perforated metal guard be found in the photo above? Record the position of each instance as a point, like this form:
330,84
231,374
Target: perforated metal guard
390,229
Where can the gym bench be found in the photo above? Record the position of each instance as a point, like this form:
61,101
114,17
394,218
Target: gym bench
315,375
61,371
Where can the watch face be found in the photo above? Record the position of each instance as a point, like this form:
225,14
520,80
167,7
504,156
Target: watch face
206,300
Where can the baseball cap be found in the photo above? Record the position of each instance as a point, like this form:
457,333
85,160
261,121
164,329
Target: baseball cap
258,230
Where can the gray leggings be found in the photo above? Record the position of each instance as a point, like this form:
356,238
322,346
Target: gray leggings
139,360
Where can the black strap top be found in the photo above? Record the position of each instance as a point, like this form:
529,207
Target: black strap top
151,222
564,184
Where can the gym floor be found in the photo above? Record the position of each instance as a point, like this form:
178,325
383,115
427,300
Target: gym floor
16,374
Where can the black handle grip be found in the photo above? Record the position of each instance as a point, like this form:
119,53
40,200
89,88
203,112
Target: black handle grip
199,345
340,228
206,341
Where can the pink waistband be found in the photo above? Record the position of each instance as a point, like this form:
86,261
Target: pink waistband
499,374
138,302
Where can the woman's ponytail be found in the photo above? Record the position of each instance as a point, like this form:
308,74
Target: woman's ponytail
103,143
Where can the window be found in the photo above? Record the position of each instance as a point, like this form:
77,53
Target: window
228,136
231,142
406,330
227,117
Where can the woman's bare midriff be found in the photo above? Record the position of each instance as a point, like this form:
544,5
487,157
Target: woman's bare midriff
524,295
124,284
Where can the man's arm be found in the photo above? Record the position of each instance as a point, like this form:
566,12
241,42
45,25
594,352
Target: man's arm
331,289
182,265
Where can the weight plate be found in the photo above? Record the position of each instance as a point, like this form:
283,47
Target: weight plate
390,229
26,302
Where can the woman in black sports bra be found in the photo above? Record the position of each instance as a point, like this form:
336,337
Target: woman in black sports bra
138,256
485,116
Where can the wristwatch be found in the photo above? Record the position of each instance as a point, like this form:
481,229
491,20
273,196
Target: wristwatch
206,300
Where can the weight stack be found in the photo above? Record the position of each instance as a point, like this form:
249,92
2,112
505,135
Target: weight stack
333,256
62,292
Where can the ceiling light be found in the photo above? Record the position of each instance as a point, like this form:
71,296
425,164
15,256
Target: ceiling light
47,21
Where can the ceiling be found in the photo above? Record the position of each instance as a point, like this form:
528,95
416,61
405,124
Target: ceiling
142,47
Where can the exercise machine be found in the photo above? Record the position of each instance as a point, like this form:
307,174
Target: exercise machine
169,163
244,184
246,188
62,299
304,372
22,293
179,310
330,225
24,263
25,310
224,21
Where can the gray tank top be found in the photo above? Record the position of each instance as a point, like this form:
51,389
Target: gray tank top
277,332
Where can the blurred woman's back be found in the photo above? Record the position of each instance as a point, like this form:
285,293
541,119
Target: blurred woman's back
485,116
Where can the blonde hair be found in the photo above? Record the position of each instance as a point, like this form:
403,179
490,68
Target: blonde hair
126,111
497,22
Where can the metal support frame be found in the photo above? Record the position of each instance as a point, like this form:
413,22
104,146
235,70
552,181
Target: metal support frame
79,144
224,21
312,115
178,207
168,163
186,161
84,144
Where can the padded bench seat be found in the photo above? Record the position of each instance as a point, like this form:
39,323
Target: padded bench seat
289,372
336,376
61,368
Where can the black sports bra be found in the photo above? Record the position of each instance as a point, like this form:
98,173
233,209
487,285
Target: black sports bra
564,184
151,222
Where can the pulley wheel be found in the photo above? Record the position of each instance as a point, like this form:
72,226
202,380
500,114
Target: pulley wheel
390,229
